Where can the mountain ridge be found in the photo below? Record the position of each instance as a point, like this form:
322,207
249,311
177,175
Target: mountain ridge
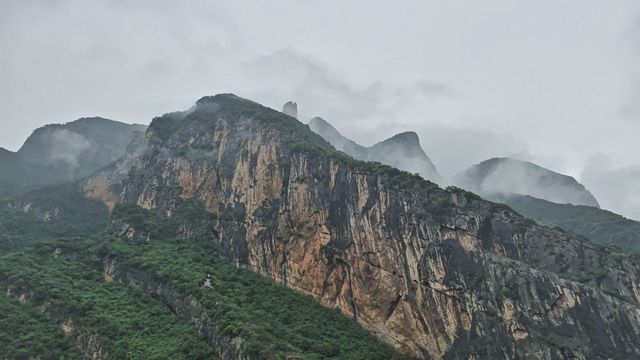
56,153
433,271
598,225
511,176
402,150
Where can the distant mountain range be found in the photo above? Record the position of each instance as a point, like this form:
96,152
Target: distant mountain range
505,176
598,225
402,151
546,196
63,152
550,198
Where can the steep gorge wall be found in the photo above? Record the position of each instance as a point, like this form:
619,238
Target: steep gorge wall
439,274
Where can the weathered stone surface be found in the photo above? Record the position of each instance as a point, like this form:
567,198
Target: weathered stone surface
438,273
291,109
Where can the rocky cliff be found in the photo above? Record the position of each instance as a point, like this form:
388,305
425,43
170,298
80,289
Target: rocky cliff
290,108
438,273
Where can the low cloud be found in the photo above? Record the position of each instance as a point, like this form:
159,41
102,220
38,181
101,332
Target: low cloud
65,147
615,185
319,91
455,149
435,89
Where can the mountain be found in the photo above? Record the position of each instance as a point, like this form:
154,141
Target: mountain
510,176
63,152
437,273
402,151
551,199
159,290
598,225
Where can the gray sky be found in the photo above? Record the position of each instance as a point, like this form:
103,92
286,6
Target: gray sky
555,82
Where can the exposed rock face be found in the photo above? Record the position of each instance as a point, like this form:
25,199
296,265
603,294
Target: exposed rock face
97,186
402,151
90,348
504,176
438,273
291,109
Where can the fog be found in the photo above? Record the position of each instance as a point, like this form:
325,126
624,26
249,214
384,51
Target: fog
615,183
509,176
66,148
557,83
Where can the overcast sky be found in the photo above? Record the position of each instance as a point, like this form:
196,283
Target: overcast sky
554,82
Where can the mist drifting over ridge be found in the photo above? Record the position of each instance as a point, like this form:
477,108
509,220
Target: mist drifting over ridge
557,89
501,176
402,151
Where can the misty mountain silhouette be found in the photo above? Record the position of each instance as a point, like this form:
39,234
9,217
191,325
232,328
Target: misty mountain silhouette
402,151
510,176
63,152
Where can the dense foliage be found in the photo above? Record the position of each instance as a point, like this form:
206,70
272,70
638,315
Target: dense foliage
129,324
22,219
66,277
276,321
25,333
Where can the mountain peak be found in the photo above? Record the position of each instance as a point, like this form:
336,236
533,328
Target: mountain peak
504,175
402,151
218,97
407,138
64,152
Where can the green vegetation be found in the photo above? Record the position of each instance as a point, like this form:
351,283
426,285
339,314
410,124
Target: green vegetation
66,277
276,320
600,226
25,333
165,125
505,292
129,324
71,215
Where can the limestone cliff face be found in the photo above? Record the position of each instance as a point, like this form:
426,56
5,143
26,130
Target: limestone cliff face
438,273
